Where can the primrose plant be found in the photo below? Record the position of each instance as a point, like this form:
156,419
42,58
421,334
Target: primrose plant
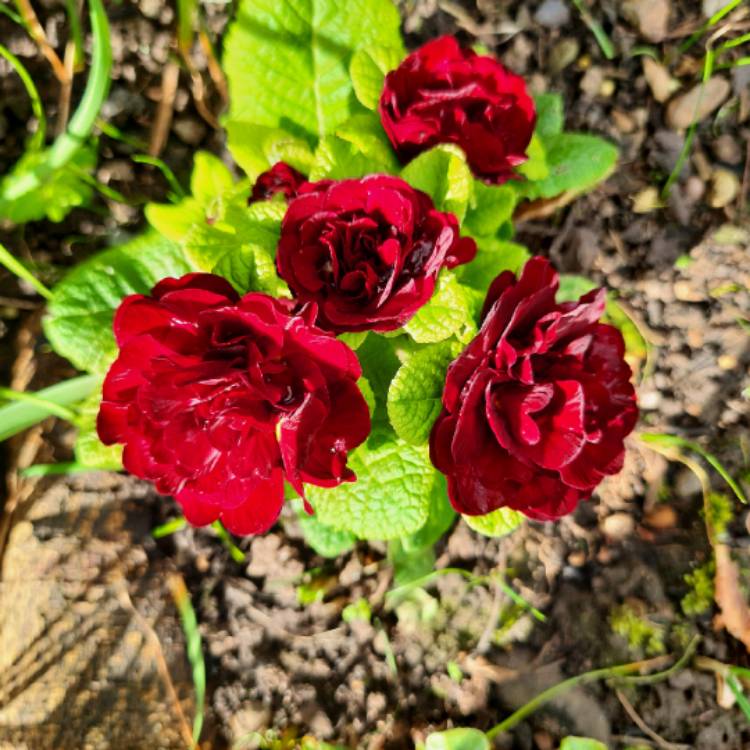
350,323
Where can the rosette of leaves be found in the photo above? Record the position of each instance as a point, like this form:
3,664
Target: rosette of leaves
304,80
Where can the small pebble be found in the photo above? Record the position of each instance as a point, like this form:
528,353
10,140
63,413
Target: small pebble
553,14
618,526
659,80
562,55
682,109
646,200
649,400
661,518
651,17
728,149
725,185
687,485
727,362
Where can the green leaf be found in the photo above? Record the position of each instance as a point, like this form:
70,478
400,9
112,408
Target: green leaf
377,355
354,339
498,523
409,564
67,188
493,257
572,287
535,167
457,739
251,268
448,313
368,69
440,517
256,148
414,396
89,450
19,415
549,114
581,743
287,63
368,395
391,496
576,162
79,316
359,147
442,173
491,207
210,178
325,540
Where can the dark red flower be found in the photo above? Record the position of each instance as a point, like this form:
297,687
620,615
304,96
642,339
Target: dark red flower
219,398
367,251
536,408
280,178
445,94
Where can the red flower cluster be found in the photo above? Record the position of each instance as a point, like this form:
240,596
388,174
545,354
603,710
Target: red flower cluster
445,94
536,409
219,398
280,178
367,251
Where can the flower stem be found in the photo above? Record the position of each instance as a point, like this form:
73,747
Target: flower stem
621,670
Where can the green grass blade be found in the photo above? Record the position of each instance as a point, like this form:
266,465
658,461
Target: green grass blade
163,167
37,140
236,553
708,67
76,33
69,467
674,441
194,649
739,695
20,415
604,42
82,122
169,528
715,18
19,269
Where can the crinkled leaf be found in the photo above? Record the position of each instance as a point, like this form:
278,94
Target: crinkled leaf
359,147
442,173
377,355
440,516
493,257
391,496
457,739
210,178
491,207
581,743
367,394
576,162
549,114
368,69
498,523
250,268
535,167
89,450
572,287
448,313
256,148
287,63
67,188
79,316
354,339
414,396
325,540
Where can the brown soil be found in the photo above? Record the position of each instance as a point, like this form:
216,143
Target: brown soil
273,662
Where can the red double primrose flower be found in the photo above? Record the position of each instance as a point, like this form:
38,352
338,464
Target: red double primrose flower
442,93
281,178
537,407
218,398
367,251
